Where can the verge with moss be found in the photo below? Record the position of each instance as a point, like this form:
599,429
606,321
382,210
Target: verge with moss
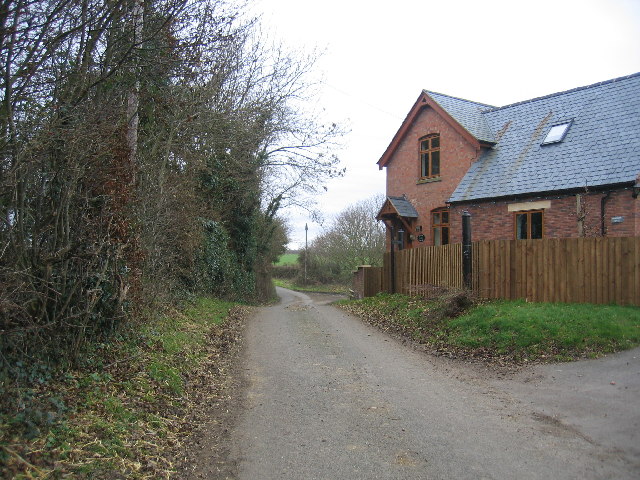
128,410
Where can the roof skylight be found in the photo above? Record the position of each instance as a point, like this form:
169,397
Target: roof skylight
557,133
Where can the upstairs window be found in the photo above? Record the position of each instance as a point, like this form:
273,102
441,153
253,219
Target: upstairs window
556,133
430,156
440,225
529,224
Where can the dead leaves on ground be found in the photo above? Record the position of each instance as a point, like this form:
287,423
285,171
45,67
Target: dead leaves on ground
120,423
429,334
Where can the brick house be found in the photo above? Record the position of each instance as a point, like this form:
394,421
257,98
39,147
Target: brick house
563,165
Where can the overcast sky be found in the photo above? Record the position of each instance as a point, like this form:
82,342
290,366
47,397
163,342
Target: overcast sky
379,55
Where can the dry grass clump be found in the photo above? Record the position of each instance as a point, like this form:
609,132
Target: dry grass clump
130,410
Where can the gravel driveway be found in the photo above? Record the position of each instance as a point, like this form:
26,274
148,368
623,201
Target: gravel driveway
330,397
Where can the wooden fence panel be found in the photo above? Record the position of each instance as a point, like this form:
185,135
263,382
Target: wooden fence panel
372,281
419,268
636,262
474,267
588,270
591,270
547,272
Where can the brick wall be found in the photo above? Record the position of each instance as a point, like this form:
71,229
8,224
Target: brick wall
494,221
358,283
403,169
622,204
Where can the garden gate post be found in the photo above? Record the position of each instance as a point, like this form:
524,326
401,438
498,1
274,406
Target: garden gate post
466,249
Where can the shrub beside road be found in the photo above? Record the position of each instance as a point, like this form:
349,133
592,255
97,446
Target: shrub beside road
126,411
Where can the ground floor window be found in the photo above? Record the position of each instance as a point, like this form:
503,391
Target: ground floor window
440,225
529,224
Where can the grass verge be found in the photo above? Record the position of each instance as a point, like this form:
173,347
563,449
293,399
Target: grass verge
339,289
513,331
125,411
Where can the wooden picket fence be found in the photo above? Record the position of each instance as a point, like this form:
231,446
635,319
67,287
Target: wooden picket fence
586,270
421,268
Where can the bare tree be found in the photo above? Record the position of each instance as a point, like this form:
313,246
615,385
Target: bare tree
146,147
69,257
353,238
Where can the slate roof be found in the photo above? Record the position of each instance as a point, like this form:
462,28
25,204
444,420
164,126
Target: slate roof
403,207
601,147
468,114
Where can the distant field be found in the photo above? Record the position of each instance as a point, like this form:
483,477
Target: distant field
288,259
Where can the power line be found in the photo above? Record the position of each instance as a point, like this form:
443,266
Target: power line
360,100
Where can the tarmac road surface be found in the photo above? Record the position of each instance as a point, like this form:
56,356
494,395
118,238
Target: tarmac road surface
330,397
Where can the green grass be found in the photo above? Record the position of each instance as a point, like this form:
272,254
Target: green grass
122,407
514,329
288,259
291,285
549,329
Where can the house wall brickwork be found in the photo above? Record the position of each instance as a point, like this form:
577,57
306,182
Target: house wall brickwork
493,220
403,169
622,204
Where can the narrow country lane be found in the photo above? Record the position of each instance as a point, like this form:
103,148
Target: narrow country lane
329,397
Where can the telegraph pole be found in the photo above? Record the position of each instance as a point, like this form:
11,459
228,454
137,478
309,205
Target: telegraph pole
306,252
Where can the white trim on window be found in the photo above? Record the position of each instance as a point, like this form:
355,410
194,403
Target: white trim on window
518,207
557,133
